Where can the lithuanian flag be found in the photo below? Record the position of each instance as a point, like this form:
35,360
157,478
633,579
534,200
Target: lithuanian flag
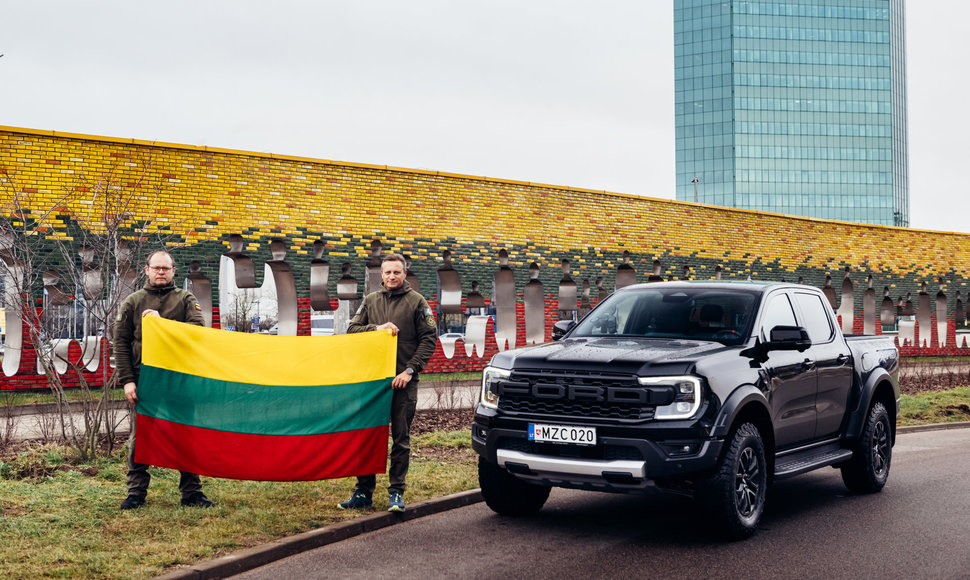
273,408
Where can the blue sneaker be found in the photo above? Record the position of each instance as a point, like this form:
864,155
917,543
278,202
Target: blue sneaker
395,502
358,501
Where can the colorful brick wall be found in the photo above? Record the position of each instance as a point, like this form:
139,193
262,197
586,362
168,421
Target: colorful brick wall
198,196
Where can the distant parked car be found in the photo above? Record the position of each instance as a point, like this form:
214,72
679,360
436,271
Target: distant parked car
321,324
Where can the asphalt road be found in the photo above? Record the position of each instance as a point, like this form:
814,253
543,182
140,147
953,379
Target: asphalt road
918,527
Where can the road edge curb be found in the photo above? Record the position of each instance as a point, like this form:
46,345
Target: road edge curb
933,427
256,556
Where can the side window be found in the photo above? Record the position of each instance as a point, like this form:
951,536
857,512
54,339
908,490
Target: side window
816,319
778,311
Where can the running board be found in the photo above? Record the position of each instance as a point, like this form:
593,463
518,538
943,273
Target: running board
807,461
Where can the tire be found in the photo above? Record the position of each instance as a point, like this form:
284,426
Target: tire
507,495
868,469
734,495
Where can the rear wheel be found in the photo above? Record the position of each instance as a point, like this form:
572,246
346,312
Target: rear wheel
868,469
508,495
735,494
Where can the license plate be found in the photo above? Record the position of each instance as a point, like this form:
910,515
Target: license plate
562,434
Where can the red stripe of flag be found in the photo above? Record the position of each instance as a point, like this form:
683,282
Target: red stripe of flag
260,457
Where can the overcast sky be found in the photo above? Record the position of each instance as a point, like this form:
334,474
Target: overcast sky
552,91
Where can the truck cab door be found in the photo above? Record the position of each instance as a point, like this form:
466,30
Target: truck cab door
833,360
789,377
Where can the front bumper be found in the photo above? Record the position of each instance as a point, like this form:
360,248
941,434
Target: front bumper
625,459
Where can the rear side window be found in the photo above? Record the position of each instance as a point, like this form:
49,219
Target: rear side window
815,314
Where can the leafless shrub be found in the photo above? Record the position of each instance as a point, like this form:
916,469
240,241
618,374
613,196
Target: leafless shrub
452,394
45,424
9,420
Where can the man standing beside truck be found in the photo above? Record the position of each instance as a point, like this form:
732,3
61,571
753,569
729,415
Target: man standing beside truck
398,308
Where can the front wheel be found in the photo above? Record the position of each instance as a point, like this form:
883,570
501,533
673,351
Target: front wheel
868,469
506,494
734,494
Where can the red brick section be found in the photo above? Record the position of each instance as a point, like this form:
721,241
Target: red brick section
26,378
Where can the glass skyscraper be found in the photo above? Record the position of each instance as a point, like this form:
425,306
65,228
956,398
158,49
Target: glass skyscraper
795,107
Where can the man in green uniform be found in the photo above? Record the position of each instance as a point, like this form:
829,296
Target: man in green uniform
406,314
159,297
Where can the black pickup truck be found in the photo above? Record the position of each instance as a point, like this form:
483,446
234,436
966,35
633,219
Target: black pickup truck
710,388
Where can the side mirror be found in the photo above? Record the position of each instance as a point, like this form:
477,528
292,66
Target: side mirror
788,338
560,328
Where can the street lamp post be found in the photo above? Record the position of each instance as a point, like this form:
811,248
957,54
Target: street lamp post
694,181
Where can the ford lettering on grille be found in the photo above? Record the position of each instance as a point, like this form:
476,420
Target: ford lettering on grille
659,395
599,395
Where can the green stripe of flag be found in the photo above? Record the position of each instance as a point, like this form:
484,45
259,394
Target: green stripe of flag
262,409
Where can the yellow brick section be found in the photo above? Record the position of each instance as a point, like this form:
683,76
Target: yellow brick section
271,195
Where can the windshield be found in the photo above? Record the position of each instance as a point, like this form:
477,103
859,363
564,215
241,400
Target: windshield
721,315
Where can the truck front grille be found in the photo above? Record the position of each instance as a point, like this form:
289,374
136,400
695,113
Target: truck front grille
574,409
581,394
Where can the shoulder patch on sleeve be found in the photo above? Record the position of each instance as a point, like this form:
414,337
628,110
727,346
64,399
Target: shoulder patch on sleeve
429,320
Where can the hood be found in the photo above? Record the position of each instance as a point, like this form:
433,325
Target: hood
641,356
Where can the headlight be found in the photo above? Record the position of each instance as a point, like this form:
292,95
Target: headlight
490,378
687,396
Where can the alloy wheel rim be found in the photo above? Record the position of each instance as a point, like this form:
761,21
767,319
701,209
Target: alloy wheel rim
747,485
880,448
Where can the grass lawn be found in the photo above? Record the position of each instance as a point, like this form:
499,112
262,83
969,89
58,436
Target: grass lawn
63,520
935,407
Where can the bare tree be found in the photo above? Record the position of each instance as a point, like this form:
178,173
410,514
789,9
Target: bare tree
79,251
246,305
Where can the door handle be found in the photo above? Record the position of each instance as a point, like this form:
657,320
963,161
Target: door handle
808,364
842,359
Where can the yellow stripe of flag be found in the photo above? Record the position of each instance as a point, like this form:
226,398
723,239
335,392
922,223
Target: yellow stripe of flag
267,360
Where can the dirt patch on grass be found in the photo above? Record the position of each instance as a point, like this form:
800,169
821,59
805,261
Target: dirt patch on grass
931,377
957,411
442,420
12,511
444,454
433,420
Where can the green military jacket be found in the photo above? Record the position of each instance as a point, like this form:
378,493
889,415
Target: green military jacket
170,302
417,335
